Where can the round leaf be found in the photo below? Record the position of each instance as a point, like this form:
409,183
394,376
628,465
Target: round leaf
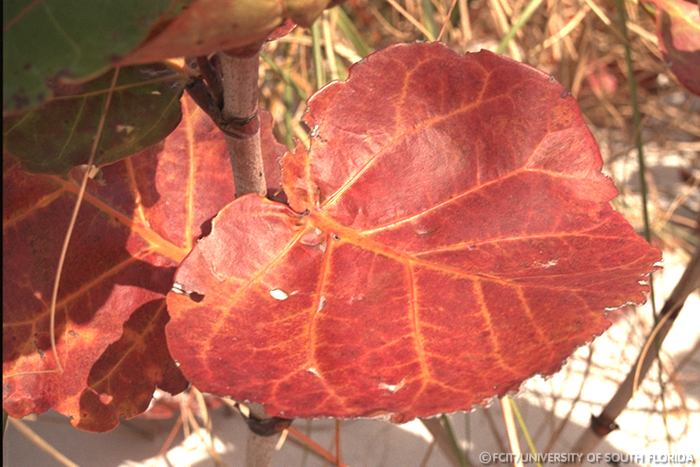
450,235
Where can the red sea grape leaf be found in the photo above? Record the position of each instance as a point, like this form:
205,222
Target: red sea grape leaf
208,26
139,219
282,30
251,49
449,236
272,151
678,28
58,135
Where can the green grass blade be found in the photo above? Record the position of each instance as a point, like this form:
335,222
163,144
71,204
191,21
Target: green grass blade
637,122
350,31
463,461
523,428
429,17
519,23
284,75
316,41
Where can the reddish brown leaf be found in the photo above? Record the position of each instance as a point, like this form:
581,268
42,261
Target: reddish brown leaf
208,26
253,48
678,28
450,235
282,30
272,152
138,220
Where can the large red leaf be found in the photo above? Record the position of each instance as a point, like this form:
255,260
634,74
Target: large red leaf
450,235
678,28
138,221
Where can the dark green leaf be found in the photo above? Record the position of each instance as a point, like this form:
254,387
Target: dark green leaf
47,41
57,136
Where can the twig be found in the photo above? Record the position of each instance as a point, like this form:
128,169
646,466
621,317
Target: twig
402,11
443,29
445,441
428,453
566,419
605,422
163,452
338,457
311,446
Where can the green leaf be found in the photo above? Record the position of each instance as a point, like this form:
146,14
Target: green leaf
57,136
48,41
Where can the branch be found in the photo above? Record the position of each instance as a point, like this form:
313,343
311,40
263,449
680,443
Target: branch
262,435
605,422
238,119
240,113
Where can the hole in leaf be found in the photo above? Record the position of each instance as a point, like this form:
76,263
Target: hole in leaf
196,297
392,387
321,303
205,228
276,194
279,294
105,398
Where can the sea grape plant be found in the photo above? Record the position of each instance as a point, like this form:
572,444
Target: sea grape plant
446,235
